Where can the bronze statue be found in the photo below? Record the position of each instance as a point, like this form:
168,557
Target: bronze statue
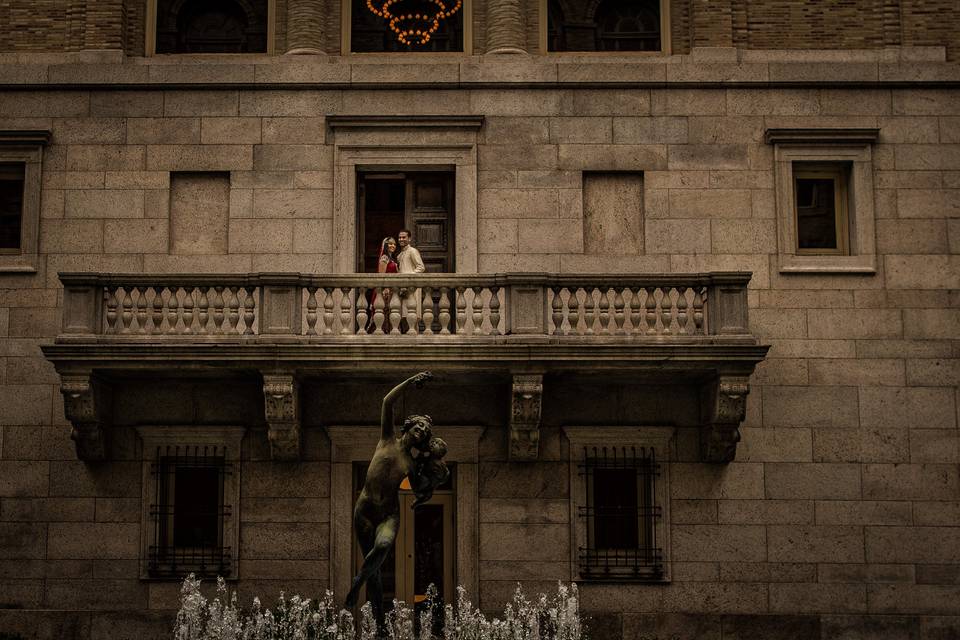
376,516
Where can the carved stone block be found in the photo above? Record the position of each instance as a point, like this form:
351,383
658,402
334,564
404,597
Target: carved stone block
84,403
725,405
526,401
281,407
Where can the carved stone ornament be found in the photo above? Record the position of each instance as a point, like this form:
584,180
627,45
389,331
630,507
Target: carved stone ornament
281,406
726,407
84,400
525,417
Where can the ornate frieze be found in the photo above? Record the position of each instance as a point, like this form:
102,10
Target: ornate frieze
281,407
725,406
84,402
526,401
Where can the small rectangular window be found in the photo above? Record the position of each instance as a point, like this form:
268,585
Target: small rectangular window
11,207
372,33
211,26
189,513
607,25
820,194
621,513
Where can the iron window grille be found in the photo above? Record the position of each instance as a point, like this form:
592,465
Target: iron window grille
621,514
189,511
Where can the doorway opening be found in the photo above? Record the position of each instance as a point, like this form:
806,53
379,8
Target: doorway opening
421,201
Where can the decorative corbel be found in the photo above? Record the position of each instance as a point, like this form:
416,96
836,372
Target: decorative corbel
281,405
85,400
725,406
526,400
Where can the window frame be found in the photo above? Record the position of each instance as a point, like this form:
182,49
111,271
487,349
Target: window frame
851,147
839,173
155,437
661,441
346,33
26,148
150,34
543,35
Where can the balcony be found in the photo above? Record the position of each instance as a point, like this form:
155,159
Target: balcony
684,327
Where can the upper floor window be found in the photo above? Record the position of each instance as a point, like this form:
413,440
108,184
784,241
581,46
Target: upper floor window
372,33
211,26
11,206
608,25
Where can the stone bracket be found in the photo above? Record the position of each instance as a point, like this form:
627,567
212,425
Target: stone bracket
85,402
281,402
724,407
526,400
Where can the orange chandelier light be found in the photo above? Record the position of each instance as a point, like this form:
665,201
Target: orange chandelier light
414,21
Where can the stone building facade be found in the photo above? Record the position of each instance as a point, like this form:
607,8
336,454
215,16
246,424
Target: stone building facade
619,263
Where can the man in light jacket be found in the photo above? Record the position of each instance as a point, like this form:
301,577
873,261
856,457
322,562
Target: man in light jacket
409,261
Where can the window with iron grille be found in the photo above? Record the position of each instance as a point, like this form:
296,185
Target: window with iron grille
619,502
189,512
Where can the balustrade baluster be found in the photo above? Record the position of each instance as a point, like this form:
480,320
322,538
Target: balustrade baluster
156,311
218,310
141,310
233,310
111,295
556,311
378,316
249,310
604,311
495,311
651,310
203,313
666,307
681,311
445,311
477,311
573,310
327,311
428,311
127,314
362,310
590,311
698,311
395,314
188,310
311,311
461,317
635,317
618,316
409,311
346,311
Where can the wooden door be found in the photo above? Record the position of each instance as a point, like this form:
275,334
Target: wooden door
430,215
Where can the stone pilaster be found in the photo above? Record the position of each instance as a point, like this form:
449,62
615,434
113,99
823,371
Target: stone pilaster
305,26
526,401
281,402
505,27
724,406
85,401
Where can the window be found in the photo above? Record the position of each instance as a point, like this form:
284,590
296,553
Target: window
210,26
190,495
824,199
370,33
820,197
21,153
608,25
619,494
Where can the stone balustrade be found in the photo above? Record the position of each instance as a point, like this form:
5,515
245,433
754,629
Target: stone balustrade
681,307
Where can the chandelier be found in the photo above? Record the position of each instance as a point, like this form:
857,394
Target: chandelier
414,21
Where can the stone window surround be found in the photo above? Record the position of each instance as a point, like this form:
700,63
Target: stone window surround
150,31
662,441
345,30
228,437
350,444
25,147
404,143
665,44
853,146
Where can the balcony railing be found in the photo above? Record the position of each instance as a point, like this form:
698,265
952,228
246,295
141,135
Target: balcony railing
442,307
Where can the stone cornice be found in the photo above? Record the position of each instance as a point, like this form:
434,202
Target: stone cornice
821,136
30,138
407,122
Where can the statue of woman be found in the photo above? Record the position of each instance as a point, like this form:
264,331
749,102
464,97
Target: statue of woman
376,515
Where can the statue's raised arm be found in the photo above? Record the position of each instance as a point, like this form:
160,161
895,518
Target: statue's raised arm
390,400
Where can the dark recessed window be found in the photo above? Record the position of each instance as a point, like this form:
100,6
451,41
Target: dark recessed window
820,194
610,25
189,512
621,514
211,26
11,206
369,33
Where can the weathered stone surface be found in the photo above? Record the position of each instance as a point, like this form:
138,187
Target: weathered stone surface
908,407
72,540
765,512
812,480
815,543
818,598
834,406
199,209
910,481
284,541
727,542
613,214
515,541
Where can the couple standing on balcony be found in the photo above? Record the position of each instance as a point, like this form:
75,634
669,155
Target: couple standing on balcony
406,261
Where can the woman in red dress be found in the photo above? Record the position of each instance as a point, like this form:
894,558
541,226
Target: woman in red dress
387,263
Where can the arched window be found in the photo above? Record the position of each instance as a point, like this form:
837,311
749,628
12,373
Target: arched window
604,25
211,26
